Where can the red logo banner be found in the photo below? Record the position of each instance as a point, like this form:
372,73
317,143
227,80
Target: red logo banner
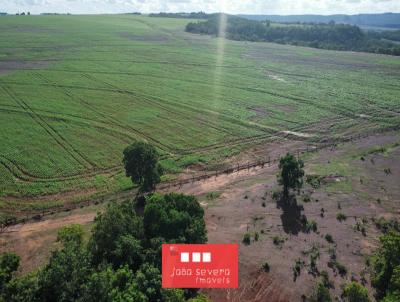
200,265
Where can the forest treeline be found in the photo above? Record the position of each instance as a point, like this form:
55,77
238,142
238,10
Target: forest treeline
120,262
325,36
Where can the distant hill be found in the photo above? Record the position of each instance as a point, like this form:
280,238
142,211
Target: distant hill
384,21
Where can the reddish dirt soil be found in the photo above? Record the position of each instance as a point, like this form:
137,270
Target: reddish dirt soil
239,209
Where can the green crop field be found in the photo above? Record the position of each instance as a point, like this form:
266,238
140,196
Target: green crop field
76,90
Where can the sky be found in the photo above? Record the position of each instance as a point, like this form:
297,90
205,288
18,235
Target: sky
283,7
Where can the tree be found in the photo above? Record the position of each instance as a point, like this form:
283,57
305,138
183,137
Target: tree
386,265
148,281
291,174
113,231
9,263
108,285
64,277
394,285
355,292
176,217
128,251
22,289
141,165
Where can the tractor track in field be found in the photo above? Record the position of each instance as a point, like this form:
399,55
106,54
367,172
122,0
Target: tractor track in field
111,120
313,103
152,101
256,139
375,108
25,176
270,132
157,101
60,140
74,119
165,108
228,143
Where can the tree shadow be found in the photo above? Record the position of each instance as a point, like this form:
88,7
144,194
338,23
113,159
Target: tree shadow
293,221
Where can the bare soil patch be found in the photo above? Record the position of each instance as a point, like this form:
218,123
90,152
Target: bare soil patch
9,66
259,113
240,209
34,241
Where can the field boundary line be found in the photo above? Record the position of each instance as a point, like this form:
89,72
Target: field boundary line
198,178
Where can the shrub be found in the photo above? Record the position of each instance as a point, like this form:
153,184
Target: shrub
247,239
71,233
276,195
321,293
329,238
355,292
385,226
361,228
266,267
340,268
314,181
311,225
298,266
256,236
325,279
341,217
387,171
278,241
212,195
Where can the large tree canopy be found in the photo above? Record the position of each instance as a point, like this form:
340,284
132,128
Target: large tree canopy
175,217
141,165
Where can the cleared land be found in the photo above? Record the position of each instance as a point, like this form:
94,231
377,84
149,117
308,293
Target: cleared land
75,90
242,202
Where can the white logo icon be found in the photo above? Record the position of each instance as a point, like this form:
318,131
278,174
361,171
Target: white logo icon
196,257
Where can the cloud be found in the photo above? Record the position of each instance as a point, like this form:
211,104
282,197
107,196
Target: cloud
231,6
